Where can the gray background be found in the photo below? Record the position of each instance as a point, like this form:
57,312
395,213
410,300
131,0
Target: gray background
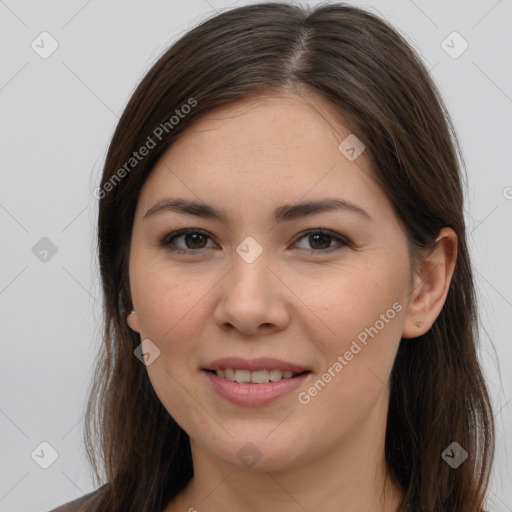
58,115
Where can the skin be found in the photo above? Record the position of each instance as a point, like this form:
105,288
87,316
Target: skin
291,302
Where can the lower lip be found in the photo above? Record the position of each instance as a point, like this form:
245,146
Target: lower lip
252,395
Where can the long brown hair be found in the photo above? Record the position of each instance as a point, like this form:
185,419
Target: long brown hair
371,76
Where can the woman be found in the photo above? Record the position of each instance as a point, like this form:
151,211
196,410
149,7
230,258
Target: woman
290,317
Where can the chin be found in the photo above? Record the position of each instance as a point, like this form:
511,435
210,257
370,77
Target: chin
260,452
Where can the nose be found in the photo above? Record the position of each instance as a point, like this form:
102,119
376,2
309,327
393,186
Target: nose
252,298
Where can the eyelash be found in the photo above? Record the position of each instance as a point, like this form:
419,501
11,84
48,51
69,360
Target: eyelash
171,237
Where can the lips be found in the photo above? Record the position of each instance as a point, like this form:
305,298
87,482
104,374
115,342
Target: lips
252,394
254,382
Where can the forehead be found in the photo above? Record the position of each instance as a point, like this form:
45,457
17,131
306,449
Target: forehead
266,123
259,151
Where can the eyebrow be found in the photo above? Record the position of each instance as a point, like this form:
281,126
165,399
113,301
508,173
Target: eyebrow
287,212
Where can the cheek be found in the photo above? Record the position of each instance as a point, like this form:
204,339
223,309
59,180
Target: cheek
365,316
363,313
351,303
168,306
171,314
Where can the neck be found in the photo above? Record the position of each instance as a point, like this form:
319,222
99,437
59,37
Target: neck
352,476
293,490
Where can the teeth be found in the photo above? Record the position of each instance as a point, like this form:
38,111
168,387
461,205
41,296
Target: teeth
259,376
256,377
242,375
275,375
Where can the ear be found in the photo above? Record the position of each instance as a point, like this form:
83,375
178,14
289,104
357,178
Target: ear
430,285
133,321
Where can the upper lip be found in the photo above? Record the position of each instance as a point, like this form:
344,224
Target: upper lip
260,363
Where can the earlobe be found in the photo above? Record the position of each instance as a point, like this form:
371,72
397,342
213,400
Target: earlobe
431,285
133,321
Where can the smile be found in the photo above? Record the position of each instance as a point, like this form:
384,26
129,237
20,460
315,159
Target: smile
256,376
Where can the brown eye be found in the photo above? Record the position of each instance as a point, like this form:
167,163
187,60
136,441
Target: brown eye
192,239
320,241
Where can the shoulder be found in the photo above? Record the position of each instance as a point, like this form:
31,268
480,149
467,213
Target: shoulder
81,504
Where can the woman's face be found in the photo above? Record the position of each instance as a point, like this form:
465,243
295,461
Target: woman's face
260,285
